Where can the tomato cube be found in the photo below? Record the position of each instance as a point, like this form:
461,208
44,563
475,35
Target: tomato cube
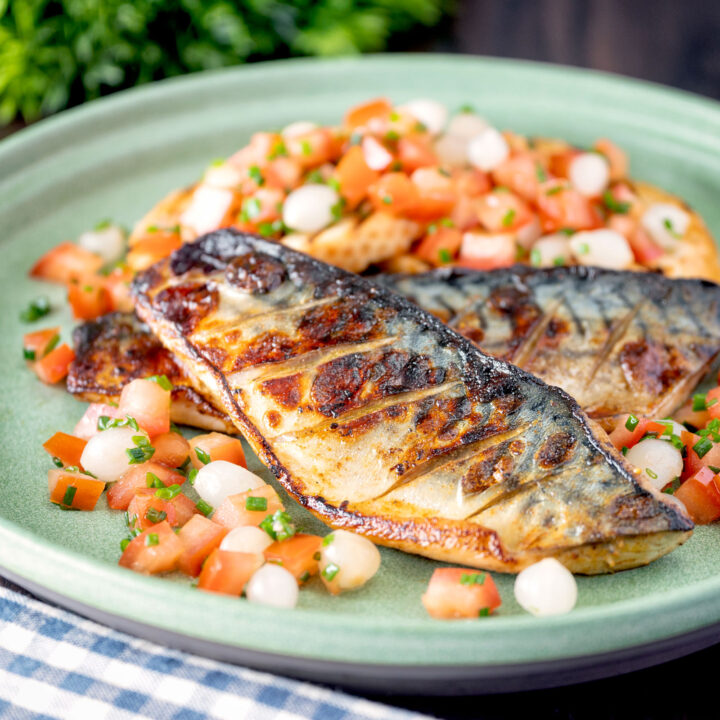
237,510
359,115
156,550
297,555
89,299
460,593
149,403
217,447
36,344
146,509
354,176
66,448
701,496
74,489
55,365
228,572
199,537
87,426
136,478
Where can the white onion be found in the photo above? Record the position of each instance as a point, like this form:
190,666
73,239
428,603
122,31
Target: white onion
105,454
297,129
309,208
220,479
246,539
659,462
432,114
603,248
272,585
551,250
589,173
466,125
451,150
666,223
355,558
546,588
375,154
487,149
107,242
207,209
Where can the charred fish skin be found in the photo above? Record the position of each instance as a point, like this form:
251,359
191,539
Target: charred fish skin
118,348
380,419
616,341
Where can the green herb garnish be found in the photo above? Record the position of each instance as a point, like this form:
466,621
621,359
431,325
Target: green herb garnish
35,310
328,539
702,447
535,257
162,381
69,496
169,492
279,526
256,175
203,507
631,423
124,543
202,456
330,571
509,217
651,473
153,481
472,578
484,612
142,451
614,205
191,475
255,504
444,255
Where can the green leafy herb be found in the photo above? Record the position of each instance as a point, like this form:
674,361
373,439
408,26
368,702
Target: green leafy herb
142,451
509,217
466,109
279,526
472,578
555,190
250,209
392,135
672,487
105,422
124,543
583,249
271,228
203,507
255,504
444,255
330,571
567,231
558,261
716,470
69,496
154,515
447,222
37,308
202,456
625,449
162,381
614,205
306,147
337,208
387,199
102,224
631,423
152,539
153,481
255,174
535,257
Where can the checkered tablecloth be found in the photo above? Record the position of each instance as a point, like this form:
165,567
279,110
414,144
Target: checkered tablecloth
54,664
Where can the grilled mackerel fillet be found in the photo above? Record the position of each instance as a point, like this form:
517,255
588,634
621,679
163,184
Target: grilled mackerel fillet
380,419
117,348
615,341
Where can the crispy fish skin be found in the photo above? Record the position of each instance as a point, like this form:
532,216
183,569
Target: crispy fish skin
616,341
117,348
380,419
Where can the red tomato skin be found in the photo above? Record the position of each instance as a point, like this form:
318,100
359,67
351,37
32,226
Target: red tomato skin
218,447
228,572
199,537
714,408
622,437
88,300
87,489
297,555
153,559
149,404
67,448
694,463
701,496
171,449
144,500
123,491
55,365
66,262
232,512
448,598
443,242
38,340
87,425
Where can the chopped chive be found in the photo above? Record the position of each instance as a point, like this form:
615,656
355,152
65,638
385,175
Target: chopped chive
152,228
614,205
124,543
716,470
392,136
217,162
154,515
103,224
472,579
558,261
567,231
651,473
169,492
555,190
278,151
447,222
699,402
316,556
444,256
256,175
624,450
466,109
152,539
484,612
387,199
631,423
711,403
540,172
69,495
337,208
255,504
28,354
304,577
202,456
535,257
669,227
142,451
250,209
330,571
52,344
394,116
702,447
328,539
203,507
672,487
420,127
509,217
279,526
162,380
35,310
57,462
192,474
306,147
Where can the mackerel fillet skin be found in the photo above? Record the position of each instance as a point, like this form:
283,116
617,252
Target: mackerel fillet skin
382,420
616,341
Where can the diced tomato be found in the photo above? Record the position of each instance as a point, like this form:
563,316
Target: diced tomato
712,400
258,151
440,247
436,196
123,491
153,247
283,173
471,183
559,163
198,537
156,550
67,448
233,511
88,299
460,593
228,572
701,496
74,489
522,173
218,447
146,509
693,462
482,251
359,115
65,263
298,555
502,211
644,249
149,404
617,159
37,342
416,152
354,176
312,148
264,206
87,425
395,193
117,284
563,207
622,437
171,449
185,508
55,365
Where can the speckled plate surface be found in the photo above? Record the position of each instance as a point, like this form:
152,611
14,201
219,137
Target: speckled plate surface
115,158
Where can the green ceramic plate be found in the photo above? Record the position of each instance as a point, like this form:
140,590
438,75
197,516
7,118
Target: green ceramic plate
115,158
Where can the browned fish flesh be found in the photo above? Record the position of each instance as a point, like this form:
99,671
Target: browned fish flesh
617,342
117,348
380,419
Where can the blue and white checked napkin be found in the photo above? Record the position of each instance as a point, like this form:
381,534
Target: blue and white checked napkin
54,664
